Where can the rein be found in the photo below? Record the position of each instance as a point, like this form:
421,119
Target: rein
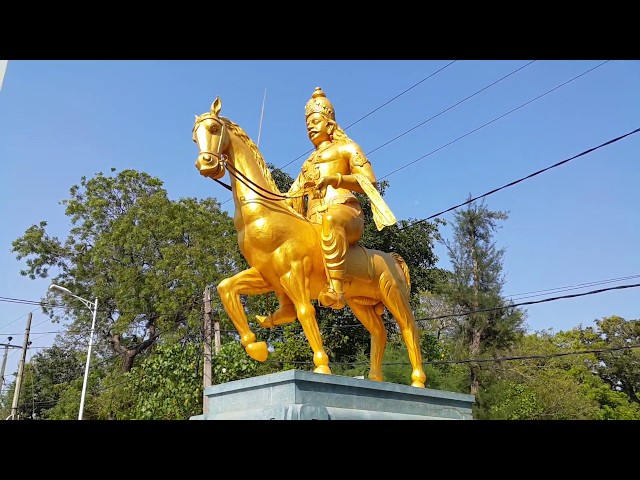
228,187
242,178
222,158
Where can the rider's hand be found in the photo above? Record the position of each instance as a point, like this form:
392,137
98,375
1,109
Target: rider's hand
330,180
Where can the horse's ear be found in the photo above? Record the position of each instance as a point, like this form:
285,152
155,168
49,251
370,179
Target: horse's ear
216,106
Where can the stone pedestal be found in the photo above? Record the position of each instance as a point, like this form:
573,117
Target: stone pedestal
301,395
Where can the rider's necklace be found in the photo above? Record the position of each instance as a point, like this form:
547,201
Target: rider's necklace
317,154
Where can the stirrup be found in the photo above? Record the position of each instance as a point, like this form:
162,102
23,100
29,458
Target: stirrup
330,298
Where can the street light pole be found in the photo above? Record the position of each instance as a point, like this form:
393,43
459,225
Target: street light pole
91,306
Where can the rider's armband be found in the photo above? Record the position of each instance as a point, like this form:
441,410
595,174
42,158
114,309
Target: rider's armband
358,160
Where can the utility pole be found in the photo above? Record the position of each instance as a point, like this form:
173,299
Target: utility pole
4,364
216,335
207,348
4,360
16,393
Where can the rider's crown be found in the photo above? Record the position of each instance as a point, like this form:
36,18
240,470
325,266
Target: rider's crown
319,104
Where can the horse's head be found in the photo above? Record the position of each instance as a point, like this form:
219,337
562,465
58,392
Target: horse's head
211,134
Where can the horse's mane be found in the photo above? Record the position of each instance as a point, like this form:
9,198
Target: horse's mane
237,129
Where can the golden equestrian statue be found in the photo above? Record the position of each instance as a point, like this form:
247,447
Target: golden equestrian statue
314,257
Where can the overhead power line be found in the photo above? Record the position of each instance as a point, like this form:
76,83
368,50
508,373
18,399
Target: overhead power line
537,293
17,300
376,109
19,318
571,287
502,307
494,120
472,360
451,107
366,115
510,184
532,302
399,95
528,357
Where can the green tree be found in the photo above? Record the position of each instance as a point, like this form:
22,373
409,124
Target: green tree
168,384
232,363
434,314
476,286
46,379
146,258
620,366
25,400
54,369
554,381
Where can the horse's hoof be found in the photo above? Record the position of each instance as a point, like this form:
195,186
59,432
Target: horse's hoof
265,322
257,350
323,369
418,377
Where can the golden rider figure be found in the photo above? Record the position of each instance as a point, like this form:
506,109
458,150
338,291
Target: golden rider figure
336,169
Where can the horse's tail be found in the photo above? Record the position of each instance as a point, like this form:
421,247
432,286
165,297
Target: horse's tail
405,269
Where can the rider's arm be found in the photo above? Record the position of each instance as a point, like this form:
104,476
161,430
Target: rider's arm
295,200
358,163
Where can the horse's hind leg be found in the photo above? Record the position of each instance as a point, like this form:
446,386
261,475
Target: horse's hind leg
375,326
247,282
398,304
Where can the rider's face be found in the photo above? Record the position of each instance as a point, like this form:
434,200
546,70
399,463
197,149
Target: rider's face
318,128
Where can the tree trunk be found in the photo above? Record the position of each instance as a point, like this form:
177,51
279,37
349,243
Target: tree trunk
476,334
127,360
474,350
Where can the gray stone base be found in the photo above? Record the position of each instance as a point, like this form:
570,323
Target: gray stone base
301,395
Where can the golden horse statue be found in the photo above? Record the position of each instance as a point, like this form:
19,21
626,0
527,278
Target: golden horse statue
283,249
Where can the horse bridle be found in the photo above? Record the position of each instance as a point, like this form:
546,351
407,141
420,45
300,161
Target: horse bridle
221,157
223,132
233,171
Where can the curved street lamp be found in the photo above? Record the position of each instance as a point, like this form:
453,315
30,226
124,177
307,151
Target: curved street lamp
91,306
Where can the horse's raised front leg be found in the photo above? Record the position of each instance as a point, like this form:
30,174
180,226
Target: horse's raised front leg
286,313
375,326
296,284
247,282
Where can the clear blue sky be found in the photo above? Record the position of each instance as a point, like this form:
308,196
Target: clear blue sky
574,225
